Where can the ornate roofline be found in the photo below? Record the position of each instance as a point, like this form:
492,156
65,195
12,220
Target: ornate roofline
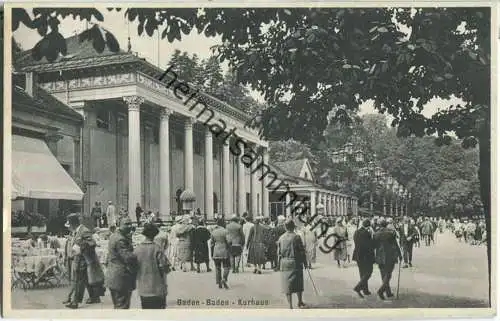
125,61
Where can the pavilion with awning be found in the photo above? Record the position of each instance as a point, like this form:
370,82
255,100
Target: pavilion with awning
37,174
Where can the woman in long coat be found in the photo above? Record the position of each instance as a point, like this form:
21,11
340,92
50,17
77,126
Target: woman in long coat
185,242
340,247
256,246
292,262
201,235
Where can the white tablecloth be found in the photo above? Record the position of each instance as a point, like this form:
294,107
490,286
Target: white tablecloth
36,264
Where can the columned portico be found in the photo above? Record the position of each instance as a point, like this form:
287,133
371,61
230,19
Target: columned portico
164,163
148,155
226,187
241,181
188,154
209,174
134,152
265,193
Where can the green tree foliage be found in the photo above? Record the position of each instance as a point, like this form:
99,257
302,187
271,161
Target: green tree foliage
207,76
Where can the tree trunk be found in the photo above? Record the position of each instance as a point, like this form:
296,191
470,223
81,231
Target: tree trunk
485,188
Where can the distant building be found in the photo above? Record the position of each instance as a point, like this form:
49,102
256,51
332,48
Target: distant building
299,176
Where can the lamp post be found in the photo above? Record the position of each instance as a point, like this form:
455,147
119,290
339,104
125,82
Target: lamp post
402,192
395,189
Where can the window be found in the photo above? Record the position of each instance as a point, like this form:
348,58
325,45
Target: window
305,175
103,119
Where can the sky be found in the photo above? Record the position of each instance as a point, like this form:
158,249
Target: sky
159,52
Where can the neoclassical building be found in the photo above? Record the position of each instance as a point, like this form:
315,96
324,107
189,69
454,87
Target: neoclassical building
301,185
141,143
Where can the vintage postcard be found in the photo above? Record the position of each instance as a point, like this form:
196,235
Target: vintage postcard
272,159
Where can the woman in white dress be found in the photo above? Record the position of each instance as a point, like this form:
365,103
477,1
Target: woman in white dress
351,229
172,242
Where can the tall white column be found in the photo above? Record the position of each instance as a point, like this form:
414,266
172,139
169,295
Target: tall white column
164,163
288,207
134,152
188,155
265,192
253,188
226,182
242,196
209,174
313,202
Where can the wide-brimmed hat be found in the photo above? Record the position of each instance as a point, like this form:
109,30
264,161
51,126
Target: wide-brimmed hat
281,218
72,219
178,218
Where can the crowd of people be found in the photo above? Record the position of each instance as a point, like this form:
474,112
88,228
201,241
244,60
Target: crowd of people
288,244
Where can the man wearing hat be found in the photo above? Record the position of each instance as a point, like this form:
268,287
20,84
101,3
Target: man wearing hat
364,256
236,239
122,265
85,267
408,235
387,254
153,267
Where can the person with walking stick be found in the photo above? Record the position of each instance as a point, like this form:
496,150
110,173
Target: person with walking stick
292,263
364,256
387,254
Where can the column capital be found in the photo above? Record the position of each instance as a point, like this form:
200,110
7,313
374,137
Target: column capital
165,113
189,121
208,132
133,102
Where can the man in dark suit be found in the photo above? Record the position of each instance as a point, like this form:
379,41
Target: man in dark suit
387,253
236,239
365,257
408,234
84,264
122,265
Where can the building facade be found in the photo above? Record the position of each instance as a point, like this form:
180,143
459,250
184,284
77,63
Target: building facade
301,190
145,142
45,152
